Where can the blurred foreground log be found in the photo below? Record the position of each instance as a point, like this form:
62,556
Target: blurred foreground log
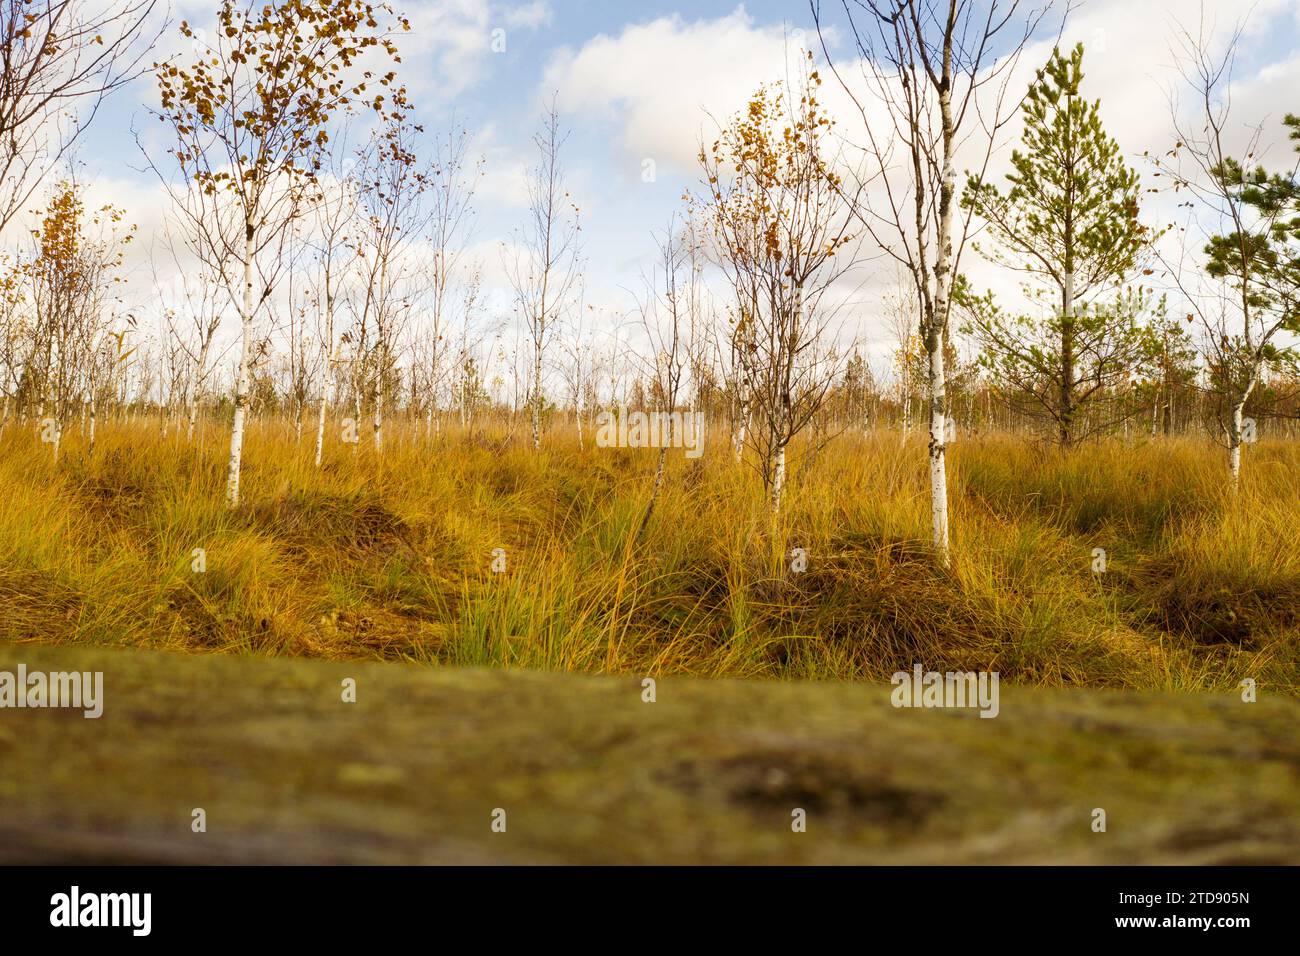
586,772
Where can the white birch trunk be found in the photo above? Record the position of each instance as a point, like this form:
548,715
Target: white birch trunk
935,338
324,402
778,477
356,420
1234,444
537,401
907,395
658,482
241,382
938,456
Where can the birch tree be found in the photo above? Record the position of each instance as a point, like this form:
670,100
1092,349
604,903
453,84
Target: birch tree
545,270
667,323
75,262
390,219
60,59
192,305
579,368
333,215
938,71
1247,222
902,311
451,280
250,116
780,215
468,390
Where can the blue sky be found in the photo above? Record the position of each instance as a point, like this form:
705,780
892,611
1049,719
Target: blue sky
633,82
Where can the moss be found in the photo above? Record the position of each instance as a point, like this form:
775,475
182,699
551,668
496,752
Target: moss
588,773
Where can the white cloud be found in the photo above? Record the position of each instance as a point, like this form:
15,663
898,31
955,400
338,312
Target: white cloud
528,16
658,79
505,170
1132,54
451,40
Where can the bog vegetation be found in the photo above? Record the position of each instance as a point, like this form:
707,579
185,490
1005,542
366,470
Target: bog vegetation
322,432
393,557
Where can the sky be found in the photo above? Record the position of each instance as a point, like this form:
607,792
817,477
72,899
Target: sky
640,84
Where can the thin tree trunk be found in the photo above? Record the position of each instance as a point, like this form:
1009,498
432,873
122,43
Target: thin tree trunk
742,419
654,490
778,477
326,388
938,455
1066,421
1234,446
241,383
356,421
907,397
935,337
537,400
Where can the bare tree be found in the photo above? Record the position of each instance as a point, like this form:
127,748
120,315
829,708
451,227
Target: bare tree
734,353
334,213
391,217
109,353
1246,222
545,268
455,178
60,59
902,309
301,361
468,386
938,68
199,302
579,368
667,323
14,336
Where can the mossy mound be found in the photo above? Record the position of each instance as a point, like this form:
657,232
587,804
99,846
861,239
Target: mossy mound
587,772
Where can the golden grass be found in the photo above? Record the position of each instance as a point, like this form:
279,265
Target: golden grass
392,558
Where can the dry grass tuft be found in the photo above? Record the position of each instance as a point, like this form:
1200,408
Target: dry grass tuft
392,559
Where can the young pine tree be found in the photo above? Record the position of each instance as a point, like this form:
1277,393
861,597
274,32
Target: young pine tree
1069,222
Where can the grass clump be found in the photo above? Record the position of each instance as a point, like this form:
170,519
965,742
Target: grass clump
393,557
